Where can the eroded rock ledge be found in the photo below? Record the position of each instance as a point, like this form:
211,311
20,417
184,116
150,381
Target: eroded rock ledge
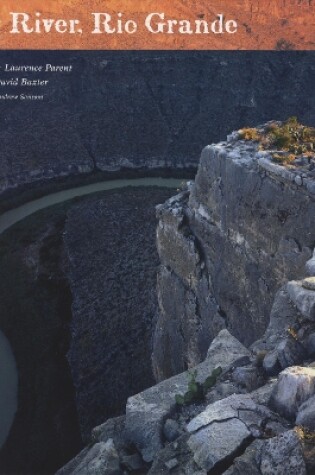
230,247
242,425
227,244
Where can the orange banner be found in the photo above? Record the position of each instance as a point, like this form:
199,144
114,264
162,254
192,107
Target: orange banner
158,25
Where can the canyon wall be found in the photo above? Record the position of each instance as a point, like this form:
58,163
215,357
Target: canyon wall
78,305
111,267
227,245
237,257
121,111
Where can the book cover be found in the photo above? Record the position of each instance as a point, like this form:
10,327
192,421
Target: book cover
157,216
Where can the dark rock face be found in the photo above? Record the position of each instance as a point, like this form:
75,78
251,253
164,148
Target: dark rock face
226,247
112,266
120,110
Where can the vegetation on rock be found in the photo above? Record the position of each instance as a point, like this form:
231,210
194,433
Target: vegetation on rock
197,391
286,141
306,435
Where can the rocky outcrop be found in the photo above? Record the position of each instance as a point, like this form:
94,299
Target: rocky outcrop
246,422
283,454
239,411
142,110
231,433
295,386
147,411
227,245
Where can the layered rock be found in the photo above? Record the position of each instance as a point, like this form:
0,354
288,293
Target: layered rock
227,245
142,110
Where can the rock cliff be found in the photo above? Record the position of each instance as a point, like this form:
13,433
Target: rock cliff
121,111
227,245
238,410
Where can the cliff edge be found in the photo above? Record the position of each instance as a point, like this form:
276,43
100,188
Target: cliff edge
140,111
237,268
227,244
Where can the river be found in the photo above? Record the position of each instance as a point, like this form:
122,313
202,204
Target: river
8,370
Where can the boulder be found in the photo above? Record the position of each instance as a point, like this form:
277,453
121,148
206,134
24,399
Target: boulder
218,442
247,377
262,395
170,464
224,409
247,463
309,455
239,406
306,414
147,411
274,428
225,427
271,363
303,299
309,283
290,352
223,390
295,385
283,315
283,455
226,348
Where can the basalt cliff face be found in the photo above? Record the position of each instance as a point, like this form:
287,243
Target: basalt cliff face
121,111
236,252
226,245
